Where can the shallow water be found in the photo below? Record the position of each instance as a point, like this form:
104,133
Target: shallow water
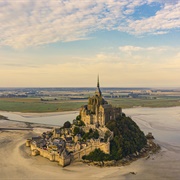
164,123
49,119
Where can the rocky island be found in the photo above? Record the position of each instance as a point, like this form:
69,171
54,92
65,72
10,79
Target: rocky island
100,132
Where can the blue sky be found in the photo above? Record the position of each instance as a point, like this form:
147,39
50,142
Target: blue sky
66,43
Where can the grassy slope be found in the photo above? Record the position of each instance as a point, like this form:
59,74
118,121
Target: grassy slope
36,105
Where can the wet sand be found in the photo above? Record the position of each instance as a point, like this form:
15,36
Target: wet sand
17,163
44,114
52,118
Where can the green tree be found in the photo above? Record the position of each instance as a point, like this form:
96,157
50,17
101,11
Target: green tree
95,134
90,130
81,123
78,117
128,138
106,136
67,124
76,130
97,155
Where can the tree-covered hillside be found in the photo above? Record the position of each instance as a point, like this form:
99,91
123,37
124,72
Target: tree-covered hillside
128,139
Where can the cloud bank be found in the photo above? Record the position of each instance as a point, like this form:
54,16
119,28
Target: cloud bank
29,23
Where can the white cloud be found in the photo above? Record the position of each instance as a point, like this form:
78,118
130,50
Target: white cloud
166,19
137,48
153,55
160,32
28,23
130,48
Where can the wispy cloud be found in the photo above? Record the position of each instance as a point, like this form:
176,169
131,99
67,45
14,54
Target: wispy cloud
122,73
137,48
130,48
166,19
132,55
29,23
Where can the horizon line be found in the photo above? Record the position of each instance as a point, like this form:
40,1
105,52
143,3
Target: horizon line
148,87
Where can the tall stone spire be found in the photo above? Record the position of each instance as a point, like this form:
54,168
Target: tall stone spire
98,81
98,91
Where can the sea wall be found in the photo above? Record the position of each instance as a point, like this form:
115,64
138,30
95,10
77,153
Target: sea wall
51,155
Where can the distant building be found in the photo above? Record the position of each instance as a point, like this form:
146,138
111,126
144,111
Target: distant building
98,112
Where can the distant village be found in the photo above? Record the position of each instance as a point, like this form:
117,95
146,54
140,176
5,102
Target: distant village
54,94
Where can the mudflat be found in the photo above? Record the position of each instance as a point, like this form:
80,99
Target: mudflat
17,163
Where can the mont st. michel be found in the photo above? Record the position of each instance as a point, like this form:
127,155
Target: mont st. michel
100,132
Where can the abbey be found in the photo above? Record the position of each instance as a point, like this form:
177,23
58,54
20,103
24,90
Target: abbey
67,144
98,112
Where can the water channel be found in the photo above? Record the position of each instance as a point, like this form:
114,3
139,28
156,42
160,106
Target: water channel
164,123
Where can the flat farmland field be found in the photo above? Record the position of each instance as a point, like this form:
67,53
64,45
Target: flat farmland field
154,103
36,105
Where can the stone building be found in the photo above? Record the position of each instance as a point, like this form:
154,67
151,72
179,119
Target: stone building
98,112
62,146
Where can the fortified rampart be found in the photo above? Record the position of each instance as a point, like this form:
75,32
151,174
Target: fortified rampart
51,155
65,160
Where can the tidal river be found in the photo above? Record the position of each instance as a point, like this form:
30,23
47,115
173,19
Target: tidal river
164,123
44,118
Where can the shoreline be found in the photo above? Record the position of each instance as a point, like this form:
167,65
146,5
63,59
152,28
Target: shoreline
39,118
151,148
53,113
43,114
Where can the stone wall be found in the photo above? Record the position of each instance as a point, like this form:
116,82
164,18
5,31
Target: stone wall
64,161
105,147
76,156
52,156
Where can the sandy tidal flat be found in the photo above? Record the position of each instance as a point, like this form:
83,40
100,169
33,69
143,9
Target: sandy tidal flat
16,162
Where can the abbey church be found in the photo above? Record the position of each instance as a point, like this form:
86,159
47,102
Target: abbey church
64,146
98,112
